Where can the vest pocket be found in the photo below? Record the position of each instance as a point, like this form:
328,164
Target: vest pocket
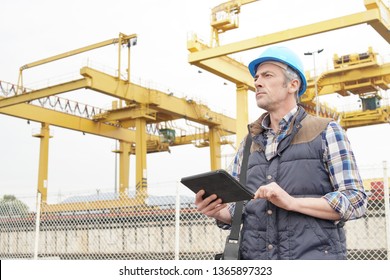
327,234
253,245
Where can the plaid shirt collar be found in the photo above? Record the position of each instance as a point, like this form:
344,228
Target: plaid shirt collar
273,138
284,123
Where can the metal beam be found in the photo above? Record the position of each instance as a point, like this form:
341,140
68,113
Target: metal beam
124,168
127,113
354,79
38,114
368,117
242,107
140,157
375,17
223,66
43,170
55,118
157,100
44,92
215,149
123,39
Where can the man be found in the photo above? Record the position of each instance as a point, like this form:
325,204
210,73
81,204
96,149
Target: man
301,169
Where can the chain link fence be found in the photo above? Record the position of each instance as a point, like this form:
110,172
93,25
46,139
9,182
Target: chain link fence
106,226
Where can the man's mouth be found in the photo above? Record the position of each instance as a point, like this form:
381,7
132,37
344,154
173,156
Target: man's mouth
260,93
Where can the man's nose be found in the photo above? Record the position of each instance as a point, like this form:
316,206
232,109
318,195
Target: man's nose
258,83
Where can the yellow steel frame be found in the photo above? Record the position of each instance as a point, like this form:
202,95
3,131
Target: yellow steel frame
122,39
369,117
156,101
228,20
38,114
43,171
142,106
358,78
377,15
124,166
145,106
216,60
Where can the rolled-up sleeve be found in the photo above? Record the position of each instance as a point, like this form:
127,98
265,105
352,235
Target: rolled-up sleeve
348,198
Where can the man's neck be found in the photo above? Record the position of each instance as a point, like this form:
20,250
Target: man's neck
277,116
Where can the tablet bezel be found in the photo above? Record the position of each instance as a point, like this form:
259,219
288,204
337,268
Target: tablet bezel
218,182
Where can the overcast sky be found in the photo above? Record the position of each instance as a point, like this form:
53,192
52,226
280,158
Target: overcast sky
33,30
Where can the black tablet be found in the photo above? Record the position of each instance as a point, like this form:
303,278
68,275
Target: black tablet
218,182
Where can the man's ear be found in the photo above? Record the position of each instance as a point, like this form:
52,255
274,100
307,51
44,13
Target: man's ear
293,86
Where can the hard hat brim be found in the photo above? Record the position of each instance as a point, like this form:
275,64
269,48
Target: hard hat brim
255,63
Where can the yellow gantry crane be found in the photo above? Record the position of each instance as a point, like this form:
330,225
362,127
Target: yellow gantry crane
134,110
356,74
215,59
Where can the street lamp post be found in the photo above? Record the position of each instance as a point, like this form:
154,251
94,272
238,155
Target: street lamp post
315,77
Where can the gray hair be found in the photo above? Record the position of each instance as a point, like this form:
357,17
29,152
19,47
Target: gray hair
290,75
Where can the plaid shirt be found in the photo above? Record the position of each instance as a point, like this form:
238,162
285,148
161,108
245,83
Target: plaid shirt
348,198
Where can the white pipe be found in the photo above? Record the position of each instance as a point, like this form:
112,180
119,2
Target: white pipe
387,207
37,227
177,224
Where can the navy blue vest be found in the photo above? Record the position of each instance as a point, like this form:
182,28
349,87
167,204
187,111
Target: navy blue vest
270,232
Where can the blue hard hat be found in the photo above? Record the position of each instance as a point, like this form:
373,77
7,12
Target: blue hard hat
283,55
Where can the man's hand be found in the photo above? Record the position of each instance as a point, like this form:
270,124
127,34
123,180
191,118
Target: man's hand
275,194
315,207
212,206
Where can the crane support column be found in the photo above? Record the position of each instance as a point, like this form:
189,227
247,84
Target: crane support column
242,112
124,167
215,148
140,157
43,170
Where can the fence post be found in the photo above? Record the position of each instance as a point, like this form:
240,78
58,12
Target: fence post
177,223
387,207
37,226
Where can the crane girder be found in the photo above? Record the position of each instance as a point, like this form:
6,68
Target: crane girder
357,79
68,121
223,66
154,101
143,102
123,39
368,117
216,61
377,15
109,85
130,112
38,114
44,92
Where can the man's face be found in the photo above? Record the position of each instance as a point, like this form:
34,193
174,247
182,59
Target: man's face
271,86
